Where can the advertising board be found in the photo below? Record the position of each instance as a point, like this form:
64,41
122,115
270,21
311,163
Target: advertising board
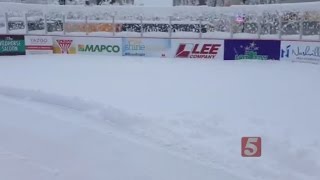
299,51
64,45
147,47
198,48
11,45
39,44
251,50
91,27
87,45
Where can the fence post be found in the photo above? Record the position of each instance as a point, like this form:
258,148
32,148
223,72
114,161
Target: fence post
301,28
259,26
64,24
141,27
200,27
170,27
113,26
319,31
231,27
86,25
280,28
45,25
6,22
25,21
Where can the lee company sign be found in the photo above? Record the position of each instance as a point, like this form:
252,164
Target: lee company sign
200,49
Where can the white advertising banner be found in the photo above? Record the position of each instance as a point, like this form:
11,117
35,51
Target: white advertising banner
198,48
300,51
87,45
39,44
148,47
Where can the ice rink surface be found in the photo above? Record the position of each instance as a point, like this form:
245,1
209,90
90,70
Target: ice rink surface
99,117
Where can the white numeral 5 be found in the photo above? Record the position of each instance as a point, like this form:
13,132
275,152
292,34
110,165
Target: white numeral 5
251,149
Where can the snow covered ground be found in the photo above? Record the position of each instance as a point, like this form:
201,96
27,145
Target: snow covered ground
98,117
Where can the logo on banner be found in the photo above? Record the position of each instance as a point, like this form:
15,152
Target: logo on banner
99,48
39,41
251,146
251,49
251,52
190,50
134,47
12,45
301,52
64,45
39,45
286,52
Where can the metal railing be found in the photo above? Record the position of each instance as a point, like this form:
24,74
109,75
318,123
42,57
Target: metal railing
228,27
31,1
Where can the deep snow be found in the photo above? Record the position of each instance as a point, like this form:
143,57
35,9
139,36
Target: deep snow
178,119
55,143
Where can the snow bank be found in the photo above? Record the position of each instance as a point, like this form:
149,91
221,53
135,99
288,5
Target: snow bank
85,107
41,97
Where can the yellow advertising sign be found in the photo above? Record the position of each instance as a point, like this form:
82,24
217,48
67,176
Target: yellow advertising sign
91,27
64,46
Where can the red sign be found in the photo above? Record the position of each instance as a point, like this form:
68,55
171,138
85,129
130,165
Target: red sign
206,51
64,45
35,47
251,146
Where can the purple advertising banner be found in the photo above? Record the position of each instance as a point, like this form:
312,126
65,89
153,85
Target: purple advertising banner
252,49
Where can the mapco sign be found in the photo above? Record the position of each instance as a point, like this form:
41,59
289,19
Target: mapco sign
98,48
199,49
103,46
307,52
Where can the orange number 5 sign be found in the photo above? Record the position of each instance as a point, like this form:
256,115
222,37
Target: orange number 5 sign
251,146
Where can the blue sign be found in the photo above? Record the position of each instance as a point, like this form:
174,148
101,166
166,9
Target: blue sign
252,50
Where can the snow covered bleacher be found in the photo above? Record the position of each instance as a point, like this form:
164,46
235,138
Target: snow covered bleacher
273,21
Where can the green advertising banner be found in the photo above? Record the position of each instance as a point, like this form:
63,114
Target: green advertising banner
11,45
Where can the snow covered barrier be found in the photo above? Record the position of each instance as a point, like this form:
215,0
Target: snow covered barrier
260,21
194,48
